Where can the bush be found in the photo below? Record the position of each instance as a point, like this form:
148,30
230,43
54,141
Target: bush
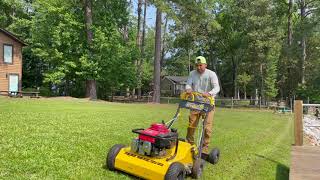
45,91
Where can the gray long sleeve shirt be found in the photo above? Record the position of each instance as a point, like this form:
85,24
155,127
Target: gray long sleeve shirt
205,82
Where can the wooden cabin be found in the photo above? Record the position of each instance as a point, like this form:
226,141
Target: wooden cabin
10,63
173,85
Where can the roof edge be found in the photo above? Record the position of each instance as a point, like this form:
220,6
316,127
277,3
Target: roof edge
166,77
12,36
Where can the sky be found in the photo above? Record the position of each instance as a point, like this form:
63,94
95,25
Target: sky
151,16
151,13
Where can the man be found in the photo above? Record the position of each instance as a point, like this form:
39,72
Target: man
204,81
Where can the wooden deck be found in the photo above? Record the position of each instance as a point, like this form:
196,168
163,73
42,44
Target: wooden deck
305,163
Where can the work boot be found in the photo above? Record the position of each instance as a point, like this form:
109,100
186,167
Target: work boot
190,135
205,150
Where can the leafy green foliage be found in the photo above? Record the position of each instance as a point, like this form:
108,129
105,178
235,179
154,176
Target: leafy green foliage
236,37
243,80
58,39
12,11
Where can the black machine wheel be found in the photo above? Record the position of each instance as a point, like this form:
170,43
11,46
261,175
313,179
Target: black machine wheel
175,171
214,155
197,168
111,157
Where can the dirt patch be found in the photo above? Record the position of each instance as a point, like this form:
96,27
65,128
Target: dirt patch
64,97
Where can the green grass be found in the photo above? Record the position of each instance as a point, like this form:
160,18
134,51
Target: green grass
69,139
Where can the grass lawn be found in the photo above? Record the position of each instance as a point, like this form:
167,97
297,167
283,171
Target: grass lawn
69,138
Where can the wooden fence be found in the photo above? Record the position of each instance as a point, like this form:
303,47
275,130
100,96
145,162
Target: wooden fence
282,106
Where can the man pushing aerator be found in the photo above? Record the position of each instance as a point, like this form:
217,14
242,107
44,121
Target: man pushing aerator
158,152
204,81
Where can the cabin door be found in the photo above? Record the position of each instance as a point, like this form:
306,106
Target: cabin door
13,82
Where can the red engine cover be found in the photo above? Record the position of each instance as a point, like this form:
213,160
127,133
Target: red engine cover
155,130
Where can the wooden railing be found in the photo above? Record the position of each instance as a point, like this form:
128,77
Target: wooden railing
298,121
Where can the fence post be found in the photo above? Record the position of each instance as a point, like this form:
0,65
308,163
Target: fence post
298,127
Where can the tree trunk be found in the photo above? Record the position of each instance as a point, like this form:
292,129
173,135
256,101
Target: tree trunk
163,42
144,28
88,17
140,65
238,93
138,39
303,41
138,43
245,92
125,35
91,91
125,28
234,76
290,23
67,88
282,85
221,93
133,93
213,60
262,84
157,59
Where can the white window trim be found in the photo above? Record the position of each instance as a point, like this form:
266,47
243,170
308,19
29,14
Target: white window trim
4,59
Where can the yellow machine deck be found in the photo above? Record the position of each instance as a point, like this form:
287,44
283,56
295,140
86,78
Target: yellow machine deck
153,167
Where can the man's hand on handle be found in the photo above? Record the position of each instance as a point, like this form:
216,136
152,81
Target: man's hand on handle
206,94
189,91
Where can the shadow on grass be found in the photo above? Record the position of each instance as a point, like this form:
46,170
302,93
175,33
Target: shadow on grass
120,172
282,170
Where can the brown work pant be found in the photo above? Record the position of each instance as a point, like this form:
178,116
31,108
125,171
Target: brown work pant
193,123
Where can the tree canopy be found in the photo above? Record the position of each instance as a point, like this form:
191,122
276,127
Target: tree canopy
267,46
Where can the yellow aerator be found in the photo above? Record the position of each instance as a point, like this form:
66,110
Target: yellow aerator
158,152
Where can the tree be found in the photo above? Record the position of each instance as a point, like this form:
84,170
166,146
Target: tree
13,11
157,59
59,40
91,91
303,41
276,43
307,7
141,64
264,35
243,80
286,62
139,45
290,6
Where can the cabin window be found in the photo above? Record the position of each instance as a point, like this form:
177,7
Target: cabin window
7,53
